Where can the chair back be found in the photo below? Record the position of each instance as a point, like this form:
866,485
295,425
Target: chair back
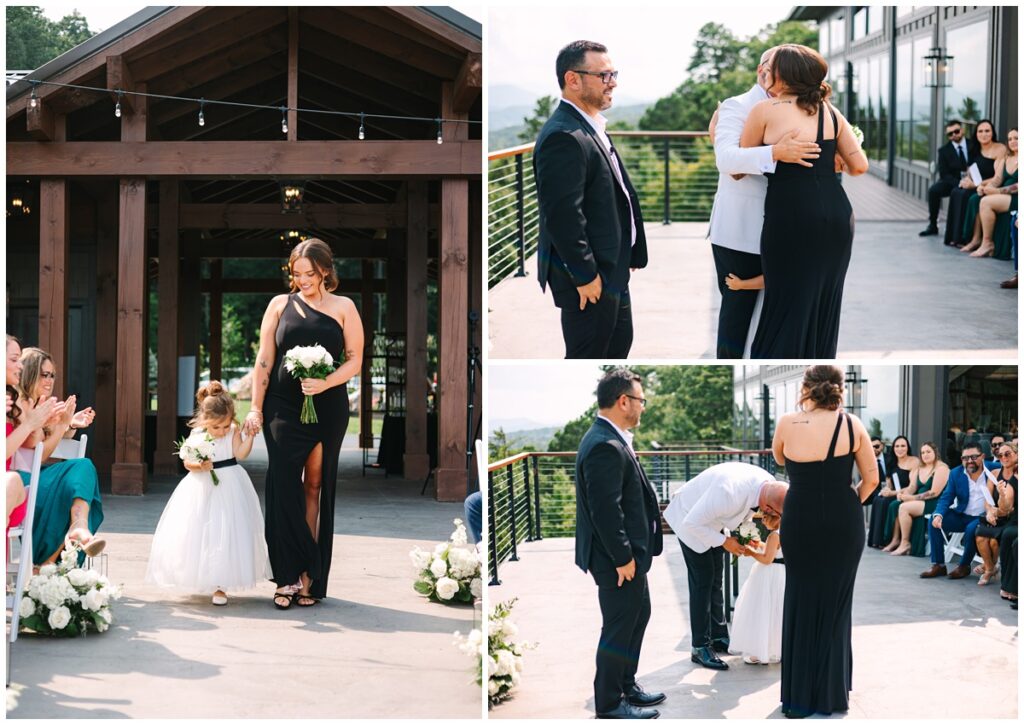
70,448
24,533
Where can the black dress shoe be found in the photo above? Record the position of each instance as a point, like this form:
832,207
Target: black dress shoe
637,696
720,645
625,711
929,232
706,657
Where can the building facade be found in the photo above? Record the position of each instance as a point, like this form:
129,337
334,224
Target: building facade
877,67
922,402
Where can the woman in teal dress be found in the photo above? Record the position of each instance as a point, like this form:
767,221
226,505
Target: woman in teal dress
987,218
68,504
927,484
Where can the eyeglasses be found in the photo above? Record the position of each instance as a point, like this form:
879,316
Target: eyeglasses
1006,454
606,76
877,446
954,132
643,401
970,457
48,376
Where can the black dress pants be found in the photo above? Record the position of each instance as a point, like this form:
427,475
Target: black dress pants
936,191
705,572
625,612
1008,558
600,331
737,308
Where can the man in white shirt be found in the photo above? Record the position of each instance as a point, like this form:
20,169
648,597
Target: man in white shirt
718,500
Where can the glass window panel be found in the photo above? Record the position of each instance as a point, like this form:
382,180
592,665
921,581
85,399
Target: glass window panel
837,35
875,16
860,23
967,97
904,97
883,111
921,116
882,395
823,31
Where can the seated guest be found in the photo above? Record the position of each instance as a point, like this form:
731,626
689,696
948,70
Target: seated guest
989,153
954,158
967,483
918,499
881,459
994,444
900,468
983,219
997,517
68,504
1012,282
473,508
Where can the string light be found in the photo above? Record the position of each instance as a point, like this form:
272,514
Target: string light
202,121
33,101
439,139
284,119
117,106
362,129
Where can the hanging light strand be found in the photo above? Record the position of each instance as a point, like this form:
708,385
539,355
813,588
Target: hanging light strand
361,115
117,105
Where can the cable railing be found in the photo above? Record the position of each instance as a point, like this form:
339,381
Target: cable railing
532,496
674,174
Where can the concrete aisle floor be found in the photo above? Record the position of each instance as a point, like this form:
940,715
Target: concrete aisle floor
373,649
921,648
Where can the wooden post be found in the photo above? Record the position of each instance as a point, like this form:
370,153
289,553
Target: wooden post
164,459
416,463
396,303
103,433
293,73
216,319
54,256
365,374
129,471
476,305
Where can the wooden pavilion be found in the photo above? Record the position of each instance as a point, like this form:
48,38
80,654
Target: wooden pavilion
119,208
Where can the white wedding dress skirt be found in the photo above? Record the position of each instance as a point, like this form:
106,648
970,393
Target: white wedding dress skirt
211,537
757,619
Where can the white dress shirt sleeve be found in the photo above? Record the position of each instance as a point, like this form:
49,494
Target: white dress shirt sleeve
703,525
729,157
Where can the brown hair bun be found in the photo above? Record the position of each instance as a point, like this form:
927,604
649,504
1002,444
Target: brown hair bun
823,386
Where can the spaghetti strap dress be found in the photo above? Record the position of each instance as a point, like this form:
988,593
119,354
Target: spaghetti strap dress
806,242
822,533
293,549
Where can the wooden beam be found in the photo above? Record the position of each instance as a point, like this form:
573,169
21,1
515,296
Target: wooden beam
134,125
248,159
129,471
452,132
313,216
417,457
236,80
235,61
452,330
468,83
216,339
54,260
119,77
347,286
476,296
293,73
274,248
438,28
40,121
164,459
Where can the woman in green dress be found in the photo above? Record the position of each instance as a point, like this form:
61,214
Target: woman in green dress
927,485
996,197
68,504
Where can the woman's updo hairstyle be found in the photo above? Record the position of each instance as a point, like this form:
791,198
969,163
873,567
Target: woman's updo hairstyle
803,70
823,386
214,403
320,256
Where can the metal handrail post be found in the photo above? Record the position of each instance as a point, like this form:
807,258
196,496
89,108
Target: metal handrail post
536,495
512,512
493,535
668,185
521,215
526,499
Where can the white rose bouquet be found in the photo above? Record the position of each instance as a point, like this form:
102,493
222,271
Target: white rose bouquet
503,657
197,448
451,572
63,600
309,362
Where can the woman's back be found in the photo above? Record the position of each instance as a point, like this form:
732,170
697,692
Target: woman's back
783,115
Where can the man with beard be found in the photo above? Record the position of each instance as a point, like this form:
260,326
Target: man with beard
618,532
591,229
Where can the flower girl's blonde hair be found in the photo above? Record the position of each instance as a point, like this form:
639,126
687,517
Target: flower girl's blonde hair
214,403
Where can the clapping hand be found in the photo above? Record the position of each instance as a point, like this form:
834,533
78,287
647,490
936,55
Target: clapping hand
83,418
40,415
68,414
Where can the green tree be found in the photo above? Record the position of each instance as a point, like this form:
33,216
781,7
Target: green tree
33,39
715,50
542,111
569,437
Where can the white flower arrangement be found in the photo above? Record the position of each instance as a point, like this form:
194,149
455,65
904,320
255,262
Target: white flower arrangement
198,448
503,657
63,600
312,361
451,572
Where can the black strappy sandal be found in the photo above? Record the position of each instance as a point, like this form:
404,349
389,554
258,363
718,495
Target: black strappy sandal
299,596
290,598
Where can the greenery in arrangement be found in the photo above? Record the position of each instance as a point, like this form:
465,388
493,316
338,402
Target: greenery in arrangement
450,574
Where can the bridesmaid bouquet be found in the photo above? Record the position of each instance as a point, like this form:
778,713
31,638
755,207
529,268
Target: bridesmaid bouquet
311,361
197,448
747,535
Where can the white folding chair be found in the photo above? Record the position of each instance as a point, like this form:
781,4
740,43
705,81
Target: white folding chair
69,448
20,568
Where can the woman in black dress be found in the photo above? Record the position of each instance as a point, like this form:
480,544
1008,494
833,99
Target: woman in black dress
303,458
987,152
883,531
823,537
808,222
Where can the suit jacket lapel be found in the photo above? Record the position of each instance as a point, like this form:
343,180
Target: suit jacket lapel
588,129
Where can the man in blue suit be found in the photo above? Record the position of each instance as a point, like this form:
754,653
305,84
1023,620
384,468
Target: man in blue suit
967,485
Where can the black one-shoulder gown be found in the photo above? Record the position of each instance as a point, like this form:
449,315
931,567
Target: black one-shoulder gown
292,547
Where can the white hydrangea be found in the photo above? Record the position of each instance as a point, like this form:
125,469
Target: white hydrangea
446,588
493,627
441,548
509,628
459,535
420,559
438,567
27,607
59,618
506,663
492,666
47,570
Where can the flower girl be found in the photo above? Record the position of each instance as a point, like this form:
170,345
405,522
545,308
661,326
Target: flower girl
757,621
210,535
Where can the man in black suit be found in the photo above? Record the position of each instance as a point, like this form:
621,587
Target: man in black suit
618,532
954,158
591,229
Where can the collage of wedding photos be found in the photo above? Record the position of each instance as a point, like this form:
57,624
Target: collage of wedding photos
492,362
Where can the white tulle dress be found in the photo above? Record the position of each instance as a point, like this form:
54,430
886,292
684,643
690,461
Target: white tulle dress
757,619
211,537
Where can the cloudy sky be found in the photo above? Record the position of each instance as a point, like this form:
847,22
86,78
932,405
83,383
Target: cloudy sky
546,393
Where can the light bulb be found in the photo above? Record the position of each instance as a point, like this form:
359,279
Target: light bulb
362,129
117,109
440,140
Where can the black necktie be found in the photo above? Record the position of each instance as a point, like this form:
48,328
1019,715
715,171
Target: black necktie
960,153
